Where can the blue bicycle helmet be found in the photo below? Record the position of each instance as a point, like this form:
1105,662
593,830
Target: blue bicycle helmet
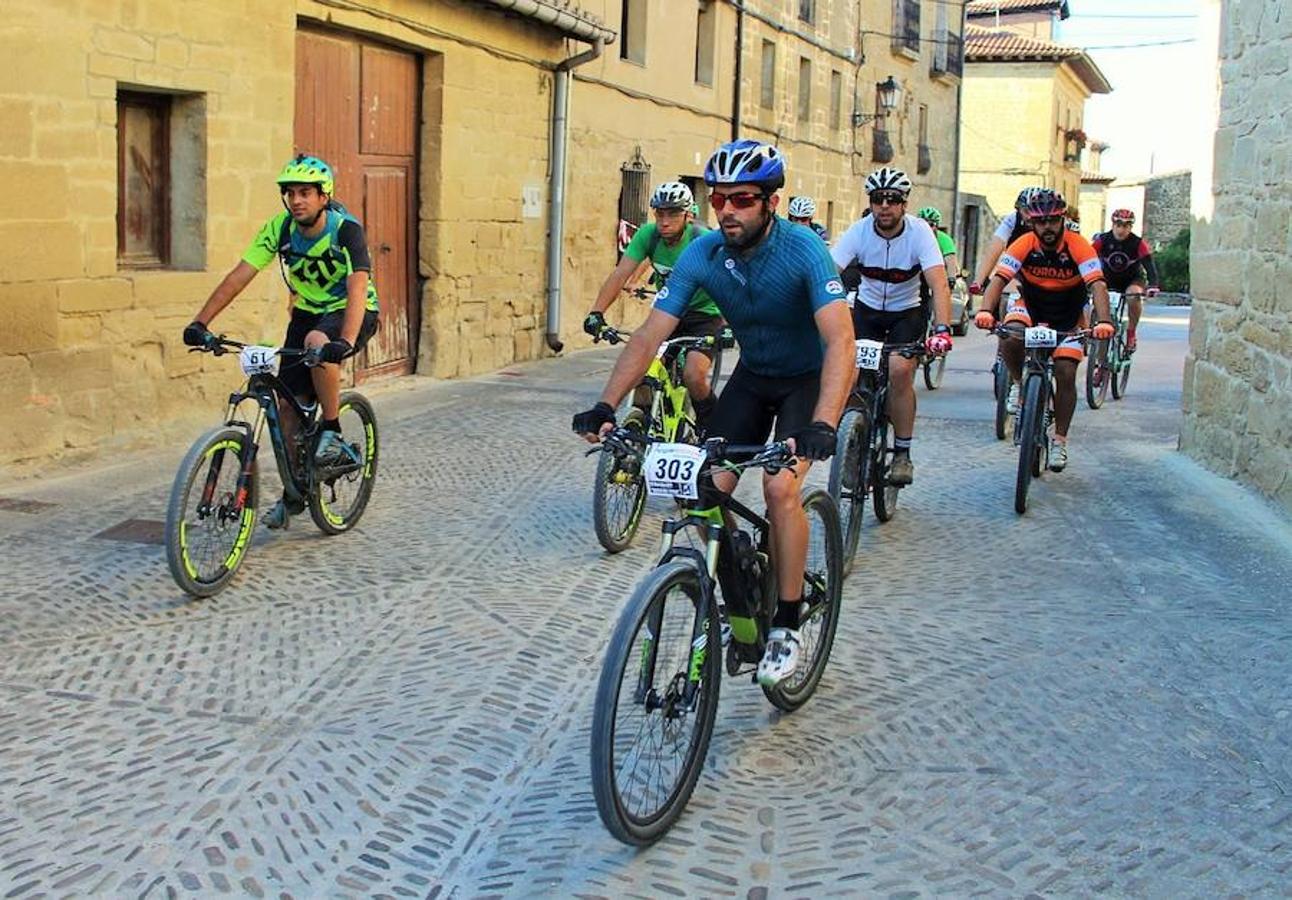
746,162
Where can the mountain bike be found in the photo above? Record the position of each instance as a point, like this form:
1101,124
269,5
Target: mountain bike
932,366
1000,389
661,408
863,453
657,695
212,509
1109,364
1032,431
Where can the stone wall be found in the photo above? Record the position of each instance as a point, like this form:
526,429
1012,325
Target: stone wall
1238,373
1166,207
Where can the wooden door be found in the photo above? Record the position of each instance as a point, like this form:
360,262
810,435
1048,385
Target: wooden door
356,107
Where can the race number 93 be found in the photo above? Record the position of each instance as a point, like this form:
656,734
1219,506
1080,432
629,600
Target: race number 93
672,470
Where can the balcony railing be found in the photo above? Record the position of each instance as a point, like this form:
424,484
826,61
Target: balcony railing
948,55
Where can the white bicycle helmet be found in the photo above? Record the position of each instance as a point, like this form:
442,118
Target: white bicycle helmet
887,179
802,207
672,195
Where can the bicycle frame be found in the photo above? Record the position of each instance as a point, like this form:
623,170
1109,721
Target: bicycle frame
668,396
267,390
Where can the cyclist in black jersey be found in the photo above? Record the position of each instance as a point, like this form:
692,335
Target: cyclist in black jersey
1128,265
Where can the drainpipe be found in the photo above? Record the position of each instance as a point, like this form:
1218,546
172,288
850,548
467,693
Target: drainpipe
556,198
740,53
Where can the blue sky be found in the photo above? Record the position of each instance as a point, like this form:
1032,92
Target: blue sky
1156,115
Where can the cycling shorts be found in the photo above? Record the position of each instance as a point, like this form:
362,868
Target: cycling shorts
294,373
903,327
751,404
1132,277
1073,348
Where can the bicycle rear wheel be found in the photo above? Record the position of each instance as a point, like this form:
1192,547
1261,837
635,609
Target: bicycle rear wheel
884,495
648,739
1030,431
823,594
208,526
341,493
847,484
934,367
1097,375
1000,385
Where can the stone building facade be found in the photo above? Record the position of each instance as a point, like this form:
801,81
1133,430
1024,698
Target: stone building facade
1238,372
1166,206
450,172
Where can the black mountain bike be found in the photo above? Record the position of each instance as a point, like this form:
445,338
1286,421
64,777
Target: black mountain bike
212,508
1109,364
658,691
864,453
1032,432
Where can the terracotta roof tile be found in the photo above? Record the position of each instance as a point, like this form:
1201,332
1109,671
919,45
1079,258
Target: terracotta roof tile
987,43
977,8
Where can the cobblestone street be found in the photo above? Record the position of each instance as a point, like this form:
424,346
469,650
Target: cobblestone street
1100,704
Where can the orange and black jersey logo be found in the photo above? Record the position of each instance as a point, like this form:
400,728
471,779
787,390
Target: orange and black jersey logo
1071,265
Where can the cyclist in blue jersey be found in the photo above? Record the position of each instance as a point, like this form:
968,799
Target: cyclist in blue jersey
777,287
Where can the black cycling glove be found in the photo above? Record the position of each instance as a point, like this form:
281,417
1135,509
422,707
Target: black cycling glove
594,322
335,351
197,335
590,421
815,442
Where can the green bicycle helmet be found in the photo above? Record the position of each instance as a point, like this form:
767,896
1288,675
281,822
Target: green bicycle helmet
307,170
932,215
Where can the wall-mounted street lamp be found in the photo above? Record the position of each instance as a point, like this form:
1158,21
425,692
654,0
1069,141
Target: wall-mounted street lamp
890,94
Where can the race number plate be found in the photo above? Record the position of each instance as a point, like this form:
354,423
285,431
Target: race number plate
672,470
868,353
1040,336
258,360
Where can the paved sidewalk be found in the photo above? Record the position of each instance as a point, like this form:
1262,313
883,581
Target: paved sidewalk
1095,697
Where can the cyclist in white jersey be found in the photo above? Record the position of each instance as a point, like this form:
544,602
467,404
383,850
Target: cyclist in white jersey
892,249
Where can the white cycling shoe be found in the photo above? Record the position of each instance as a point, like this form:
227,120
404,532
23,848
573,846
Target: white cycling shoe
781,658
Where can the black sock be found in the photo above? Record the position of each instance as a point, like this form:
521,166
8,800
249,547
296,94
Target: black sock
332,425
787,614
704,409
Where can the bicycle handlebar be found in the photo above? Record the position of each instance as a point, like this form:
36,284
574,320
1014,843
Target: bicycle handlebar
726,339
1017,330
222,345
773,457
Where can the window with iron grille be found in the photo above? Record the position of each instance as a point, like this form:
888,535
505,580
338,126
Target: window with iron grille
955,55
906,26
807,10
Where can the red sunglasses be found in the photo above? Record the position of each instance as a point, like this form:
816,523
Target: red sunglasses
739,200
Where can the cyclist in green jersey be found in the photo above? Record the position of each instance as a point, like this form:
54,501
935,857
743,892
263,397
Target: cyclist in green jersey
662,242
325,262
946,244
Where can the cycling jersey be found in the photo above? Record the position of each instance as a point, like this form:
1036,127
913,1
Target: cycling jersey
1012,227
889,266
315,269
646,243
820,230
1122,259
1054,281
769,298
945,243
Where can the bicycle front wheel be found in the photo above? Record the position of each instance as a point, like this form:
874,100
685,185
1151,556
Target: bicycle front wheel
341,493
1031,431
1000,385
933,370
884,495
847,485
655,706
823,594
1097,375
209,520
1120,374
617,500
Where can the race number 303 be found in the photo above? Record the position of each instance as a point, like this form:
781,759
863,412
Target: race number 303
672,470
